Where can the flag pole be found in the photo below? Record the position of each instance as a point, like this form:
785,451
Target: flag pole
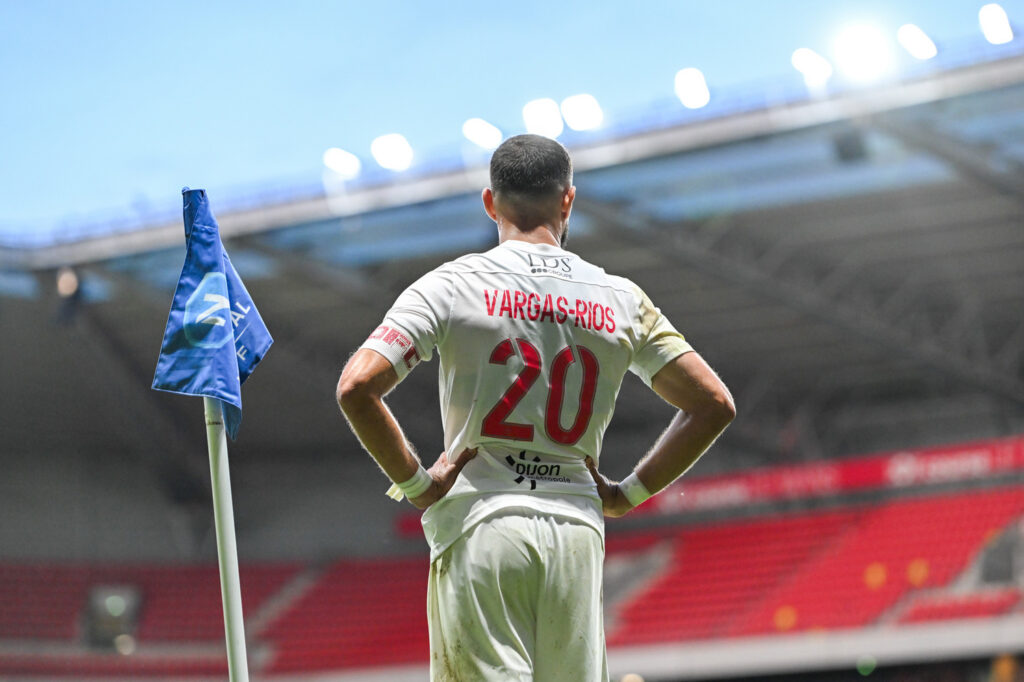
227,550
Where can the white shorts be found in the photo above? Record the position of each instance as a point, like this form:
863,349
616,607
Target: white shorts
519,598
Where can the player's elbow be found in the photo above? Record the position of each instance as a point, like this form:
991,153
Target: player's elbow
726,407
366,379
719,409
353,391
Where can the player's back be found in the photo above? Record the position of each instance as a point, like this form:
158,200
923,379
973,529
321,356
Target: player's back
533,342
537,343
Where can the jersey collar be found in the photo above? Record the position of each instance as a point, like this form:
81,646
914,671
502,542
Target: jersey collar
519,245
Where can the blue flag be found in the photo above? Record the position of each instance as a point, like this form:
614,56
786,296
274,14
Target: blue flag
215,337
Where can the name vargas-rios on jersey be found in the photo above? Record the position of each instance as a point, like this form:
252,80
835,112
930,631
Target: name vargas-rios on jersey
522,305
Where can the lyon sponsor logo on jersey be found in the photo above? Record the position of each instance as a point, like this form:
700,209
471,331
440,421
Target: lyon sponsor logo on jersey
521,305
535,470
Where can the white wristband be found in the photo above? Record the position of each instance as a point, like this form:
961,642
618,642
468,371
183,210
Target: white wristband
417,485
634,489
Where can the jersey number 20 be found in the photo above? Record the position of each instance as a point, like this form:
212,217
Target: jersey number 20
495,424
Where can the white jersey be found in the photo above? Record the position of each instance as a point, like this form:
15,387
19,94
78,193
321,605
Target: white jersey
533,343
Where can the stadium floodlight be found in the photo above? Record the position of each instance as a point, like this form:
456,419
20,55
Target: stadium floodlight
582,112
862,53
816,69
995,24
915,41
345,164
392,151
481,133
691,88
542,117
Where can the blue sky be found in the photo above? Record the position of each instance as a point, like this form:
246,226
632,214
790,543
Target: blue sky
109,108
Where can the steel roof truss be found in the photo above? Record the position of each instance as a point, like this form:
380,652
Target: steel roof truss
802,291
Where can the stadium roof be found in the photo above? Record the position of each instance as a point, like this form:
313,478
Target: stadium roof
852,266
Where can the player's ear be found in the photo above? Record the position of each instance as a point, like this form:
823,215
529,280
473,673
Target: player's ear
567,199
488,197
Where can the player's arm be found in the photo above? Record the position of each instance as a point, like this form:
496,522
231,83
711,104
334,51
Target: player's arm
366,379
705,409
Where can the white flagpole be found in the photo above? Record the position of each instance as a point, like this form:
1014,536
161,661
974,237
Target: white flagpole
227,551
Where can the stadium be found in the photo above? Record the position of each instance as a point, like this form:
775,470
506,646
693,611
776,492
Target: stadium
849,259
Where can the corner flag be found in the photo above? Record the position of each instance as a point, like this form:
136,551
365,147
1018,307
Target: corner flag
215,337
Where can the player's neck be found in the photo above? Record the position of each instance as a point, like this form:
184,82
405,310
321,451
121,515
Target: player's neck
542,234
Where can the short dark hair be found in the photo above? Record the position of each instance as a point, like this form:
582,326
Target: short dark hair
530,167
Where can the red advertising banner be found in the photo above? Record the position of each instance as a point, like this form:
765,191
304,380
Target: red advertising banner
893,470
900,469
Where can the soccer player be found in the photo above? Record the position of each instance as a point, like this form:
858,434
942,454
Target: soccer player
533,344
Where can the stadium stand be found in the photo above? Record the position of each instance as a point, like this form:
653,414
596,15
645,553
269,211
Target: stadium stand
338,623
184,603
816,570
891,561
715,575
895,547
40,602
180,602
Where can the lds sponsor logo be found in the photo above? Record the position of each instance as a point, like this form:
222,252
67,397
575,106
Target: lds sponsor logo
549,264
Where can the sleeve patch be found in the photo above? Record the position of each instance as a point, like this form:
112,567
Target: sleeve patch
397,341
391,336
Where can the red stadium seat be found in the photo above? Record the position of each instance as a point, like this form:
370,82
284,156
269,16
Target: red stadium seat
345,620
895,547
717,572
179,602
